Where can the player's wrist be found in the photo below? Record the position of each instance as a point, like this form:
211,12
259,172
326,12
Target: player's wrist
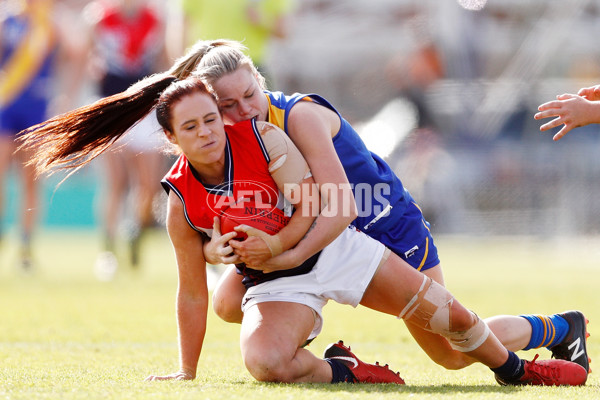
293,258
274,244
188,373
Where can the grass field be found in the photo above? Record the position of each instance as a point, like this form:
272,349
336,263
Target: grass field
65,335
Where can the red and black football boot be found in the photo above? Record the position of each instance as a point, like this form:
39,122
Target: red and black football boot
362,372
549,373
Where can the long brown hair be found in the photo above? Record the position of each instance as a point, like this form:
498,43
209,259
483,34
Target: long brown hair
73,139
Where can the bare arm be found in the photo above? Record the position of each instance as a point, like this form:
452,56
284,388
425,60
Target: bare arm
311,128
291,174
192,292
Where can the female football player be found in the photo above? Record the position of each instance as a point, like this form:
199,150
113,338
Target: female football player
281,311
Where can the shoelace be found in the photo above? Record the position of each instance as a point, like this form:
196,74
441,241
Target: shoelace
544,373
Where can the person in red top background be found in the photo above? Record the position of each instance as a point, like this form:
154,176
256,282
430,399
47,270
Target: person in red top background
128,43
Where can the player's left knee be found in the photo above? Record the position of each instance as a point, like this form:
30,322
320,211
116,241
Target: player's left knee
434,309
466,331
461,319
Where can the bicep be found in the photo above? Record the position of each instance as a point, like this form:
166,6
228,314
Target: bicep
287,166
311,128
290,172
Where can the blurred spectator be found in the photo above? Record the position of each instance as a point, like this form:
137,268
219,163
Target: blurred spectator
412,75
429,172
414,71
33,35
427,168
252,22
127,45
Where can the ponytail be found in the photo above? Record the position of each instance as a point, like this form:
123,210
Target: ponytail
212,59
72,139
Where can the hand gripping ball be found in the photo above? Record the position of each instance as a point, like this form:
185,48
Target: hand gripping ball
264,217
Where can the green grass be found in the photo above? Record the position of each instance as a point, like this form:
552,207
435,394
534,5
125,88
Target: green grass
64,335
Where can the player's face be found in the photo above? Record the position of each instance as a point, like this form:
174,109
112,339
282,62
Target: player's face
241,97
198,130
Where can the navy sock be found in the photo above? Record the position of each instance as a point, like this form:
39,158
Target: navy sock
340,372
546,331
512,369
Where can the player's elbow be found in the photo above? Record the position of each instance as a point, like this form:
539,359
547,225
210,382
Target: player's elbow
347,207
353,213
339,202
348,214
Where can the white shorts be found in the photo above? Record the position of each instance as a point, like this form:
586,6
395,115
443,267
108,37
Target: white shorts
342,274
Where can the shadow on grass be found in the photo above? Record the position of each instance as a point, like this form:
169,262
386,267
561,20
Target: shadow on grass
409,389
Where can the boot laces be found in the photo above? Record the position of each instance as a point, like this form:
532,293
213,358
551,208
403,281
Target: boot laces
542,373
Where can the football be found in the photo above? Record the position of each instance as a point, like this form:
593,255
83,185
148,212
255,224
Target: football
260,216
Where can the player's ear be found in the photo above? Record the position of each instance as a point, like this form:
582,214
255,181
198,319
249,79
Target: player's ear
171,137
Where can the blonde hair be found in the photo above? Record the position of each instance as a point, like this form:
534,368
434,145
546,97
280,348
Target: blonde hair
211,60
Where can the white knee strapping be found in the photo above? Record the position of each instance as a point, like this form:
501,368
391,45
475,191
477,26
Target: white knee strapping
470,339
431,309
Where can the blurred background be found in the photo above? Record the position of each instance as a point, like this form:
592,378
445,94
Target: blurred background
447,95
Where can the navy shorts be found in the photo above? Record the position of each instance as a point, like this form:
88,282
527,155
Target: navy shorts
406,232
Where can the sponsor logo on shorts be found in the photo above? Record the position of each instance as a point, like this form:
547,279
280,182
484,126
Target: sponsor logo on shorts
411,252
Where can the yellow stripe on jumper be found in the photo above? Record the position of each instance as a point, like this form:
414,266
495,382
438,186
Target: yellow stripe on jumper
26,61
